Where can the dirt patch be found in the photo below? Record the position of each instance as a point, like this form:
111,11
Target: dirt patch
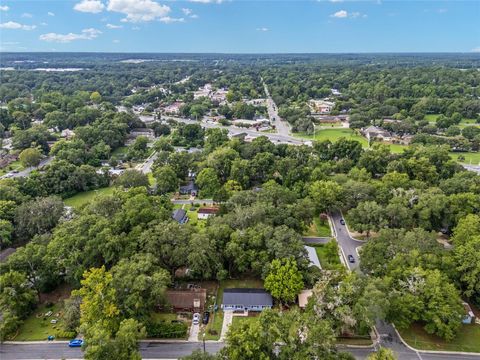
62,292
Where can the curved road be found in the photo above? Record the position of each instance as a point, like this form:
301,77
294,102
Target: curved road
348,245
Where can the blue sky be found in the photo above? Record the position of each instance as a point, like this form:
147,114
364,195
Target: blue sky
240,26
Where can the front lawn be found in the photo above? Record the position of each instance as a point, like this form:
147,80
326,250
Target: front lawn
468,339
319,228
85,197
38,326
214,326
237,320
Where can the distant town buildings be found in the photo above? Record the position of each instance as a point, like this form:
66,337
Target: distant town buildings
321,106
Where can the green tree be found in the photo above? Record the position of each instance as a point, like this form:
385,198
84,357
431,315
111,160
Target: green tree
95,97
208,182
6,232
166,179
326,195
132,178
382,354
284,281
30,157
367,216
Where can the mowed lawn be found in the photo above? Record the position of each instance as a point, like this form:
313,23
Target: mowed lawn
472,158
333,135
434,118
82,198
318,228
468,339
38,326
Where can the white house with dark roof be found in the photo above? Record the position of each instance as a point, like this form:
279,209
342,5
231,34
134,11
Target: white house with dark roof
246,300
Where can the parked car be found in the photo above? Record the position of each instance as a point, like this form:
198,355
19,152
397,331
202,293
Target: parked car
206,317
342,221
75,343
351,259
196,319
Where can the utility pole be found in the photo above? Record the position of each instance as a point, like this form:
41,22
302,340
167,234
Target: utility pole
203,337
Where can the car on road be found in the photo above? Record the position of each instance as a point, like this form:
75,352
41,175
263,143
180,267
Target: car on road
196,319
351,259
206,317
342,221
75,343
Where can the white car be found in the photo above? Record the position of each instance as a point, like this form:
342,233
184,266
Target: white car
196,319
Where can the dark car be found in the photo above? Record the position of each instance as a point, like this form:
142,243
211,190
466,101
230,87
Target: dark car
206,317
342,221
351,259
75,343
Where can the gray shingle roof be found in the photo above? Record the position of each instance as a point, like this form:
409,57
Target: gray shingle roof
179,214
246,297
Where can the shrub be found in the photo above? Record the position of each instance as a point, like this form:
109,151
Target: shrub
166,330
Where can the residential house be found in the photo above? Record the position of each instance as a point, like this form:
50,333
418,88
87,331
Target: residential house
173,108
313,257
180,216
375,132
303,298
203,91
67,134
148,133
335,92
246,300
192,300
206,212
189,189
321,106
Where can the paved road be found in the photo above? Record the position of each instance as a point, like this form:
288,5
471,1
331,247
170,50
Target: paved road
196,201
27,171
149,350
348,245
282,127
146,166
316,240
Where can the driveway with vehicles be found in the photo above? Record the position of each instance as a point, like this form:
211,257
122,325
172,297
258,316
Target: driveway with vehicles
27,171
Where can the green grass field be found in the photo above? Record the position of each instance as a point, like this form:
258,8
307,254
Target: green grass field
319,228
38,326
78,200
215,324
237,320
434,118
16,165
470,158
333,135
328,256
468,339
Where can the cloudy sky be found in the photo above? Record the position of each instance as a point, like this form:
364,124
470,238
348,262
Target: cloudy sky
240,26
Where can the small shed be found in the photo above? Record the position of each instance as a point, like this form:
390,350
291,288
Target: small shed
303,298
313,257
180,216
469,317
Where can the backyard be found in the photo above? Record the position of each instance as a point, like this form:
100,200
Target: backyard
82,198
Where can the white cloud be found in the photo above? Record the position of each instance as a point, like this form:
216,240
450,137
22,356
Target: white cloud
340,14
86,34
116,41
169,20
50,13
10,42
43,24
112,26
264,29
4,8
476,50
89,6
139,10
187,11
27,15
207,1
194,16
135,28
336,1
12,25
442,11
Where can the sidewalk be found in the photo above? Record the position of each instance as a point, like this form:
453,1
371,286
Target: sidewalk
227,321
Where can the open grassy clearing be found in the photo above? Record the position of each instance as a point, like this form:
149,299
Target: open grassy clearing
434,118
82,198
332,135
472,158
318,228
214,328
468,339
38,326
328,255
15,165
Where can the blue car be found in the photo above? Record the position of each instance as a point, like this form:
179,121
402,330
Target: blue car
75,343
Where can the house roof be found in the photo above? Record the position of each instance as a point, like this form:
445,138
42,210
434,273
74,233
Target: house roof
312,256
209,210
179,214
303,297
247,297
186,299
189,187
